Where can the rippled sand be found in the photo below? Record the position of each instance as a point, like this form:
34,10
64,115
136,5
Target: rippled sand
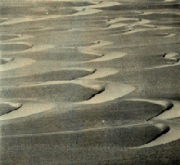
92,82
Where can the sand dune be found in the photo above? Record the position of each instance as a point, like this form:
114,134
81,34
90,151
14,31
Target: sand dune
28,109
172,135
108,56
16,63
59,74
92,49
18,46
5,60
172,56
32,48
174,112
165,103
110,91
119,19
7,107
8,36
165,66
122,136
101,72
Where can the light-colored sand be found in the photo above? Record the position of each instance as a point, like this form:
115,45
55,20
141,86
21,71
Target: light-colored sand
16,63
28,109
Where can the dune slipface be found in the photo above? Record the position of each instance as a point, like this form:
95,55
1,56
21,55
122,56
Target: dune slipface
89,82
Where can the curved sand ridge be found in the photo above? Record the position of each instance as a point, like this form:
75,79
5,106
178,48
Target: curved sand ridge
28,109
7,107
16,63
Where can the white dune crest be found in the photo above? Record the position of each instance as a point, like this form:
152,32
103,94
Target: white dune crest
16,63
28,109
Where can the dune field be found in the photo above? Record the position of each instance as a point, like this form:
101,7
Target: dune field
90,82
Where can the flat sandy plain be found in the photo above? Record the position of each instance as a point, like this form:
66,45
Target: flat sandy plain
90,82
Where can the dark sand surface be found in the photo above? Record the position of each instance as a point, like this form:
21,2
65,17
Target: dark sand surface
92,82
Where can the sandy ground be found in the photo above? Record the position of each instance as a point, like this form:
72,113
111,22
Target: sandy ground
92,82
